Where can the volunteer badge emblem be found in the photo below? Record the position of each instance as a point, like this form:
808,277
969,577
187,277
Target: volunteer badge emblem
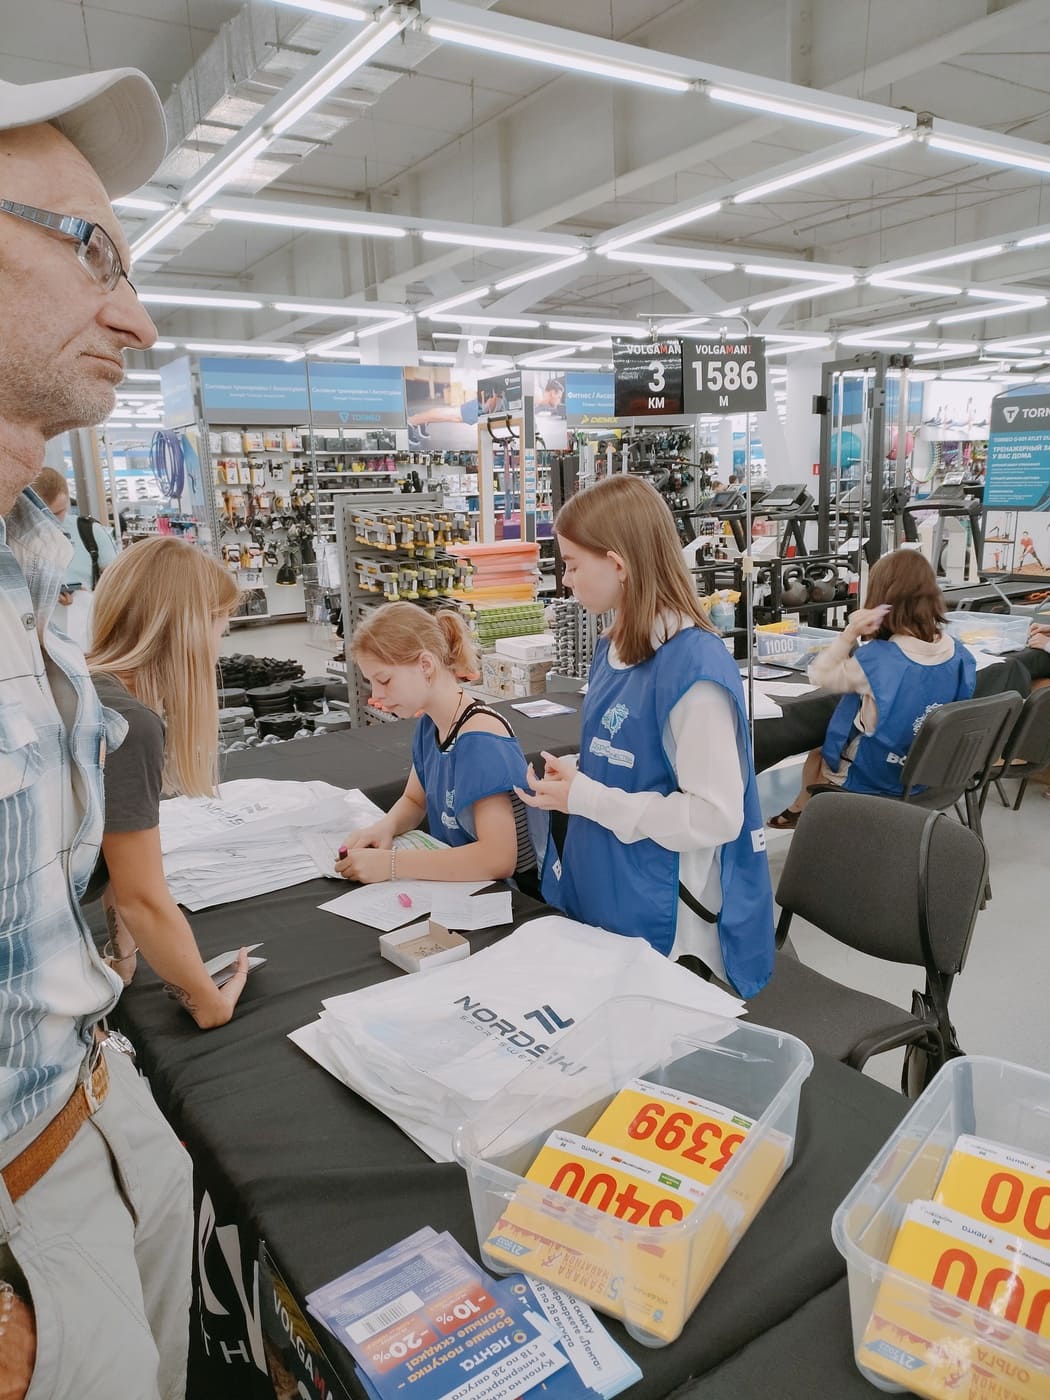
613,719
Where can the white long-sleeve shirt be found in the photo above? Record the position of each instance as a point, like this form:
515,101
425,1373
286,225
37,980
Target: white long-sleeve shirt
700,742
837,669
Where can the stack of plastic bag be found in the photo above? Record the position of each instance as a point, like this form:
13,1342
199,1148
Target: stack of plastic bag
431,1049
250,838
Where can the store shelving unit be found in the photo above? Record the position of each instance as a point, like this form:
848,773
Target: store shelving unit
387,550
263,507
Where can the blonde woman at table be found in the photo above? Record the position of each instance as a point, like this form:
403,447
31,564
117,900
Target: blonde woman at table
160,610
665,838
466,761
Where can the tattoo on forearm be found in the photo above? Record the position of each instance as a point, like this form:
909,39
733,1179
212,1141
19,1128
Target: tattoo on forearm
182,997
118,940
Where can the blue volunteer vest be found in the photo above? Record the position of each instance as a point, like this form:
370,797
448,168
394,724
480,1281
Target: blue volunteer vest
477,765
633,889
905,692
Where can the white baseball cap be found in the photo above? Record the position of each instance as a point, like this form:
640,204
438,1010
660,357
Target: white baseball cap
114,118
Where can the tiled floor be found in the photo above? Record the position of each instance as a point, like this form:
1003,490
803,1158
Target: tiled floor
999,1003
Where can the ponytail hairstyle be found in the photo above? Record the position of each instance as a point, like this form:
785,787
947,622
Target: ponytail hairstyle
155,607
625,515
398,634
905,579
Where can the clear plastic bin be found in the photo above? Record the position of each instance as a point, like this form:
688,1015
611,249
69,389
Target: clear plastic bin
795,649
994,632
991,1098
651,1277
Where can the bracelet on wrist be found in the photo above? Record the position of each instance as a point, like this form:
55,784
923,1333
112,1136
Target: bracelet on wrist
393,863
7,1302
109,953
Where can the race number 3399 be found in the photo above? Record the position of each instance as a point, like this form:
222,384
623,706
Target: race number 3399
724,376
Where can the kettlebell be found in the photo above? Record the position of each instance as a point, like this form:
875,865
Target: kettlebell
820,580
841,588
793,588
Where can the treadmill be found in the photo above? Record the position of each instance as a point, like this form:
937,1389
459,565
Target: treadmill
950,500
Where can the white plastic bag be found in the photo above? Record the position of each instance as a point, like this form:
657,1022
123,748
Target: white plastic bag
430,1051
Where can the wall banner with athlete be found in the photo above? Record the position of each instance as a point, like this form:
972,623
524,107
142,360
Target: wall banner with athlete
1018,474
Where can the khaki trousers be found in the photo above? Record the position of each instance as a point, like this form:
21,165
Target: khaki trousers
104,1242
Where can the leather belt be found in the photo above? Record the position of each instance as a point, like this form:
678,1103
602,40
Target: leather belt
44,1151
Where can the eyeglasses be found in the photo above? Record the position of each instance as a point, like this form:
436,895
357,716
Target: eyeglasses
96,251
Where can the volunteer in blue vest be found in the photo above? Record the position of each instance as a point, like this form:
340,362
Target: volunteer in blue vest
465,759
665,839
893,664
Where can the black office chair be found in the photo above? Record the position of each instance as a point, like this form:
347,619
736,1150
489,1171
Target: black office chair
892,881
1027,748
954,752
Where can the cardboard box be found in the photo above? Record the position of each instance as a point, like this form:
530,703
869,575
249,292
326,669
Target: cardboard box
539,647
423,946
512,680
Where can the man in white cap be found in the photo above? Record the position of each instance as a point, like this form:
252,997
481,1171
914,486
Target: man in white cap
95,1197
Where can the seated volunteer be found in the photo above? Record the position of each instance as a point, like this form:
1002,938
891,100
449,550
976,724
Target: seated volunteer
160,610
466,762
665,838
893,664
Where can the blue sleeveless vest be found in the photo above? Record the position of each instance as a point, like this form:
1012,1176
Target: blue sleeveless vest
477,765
633,889
905,692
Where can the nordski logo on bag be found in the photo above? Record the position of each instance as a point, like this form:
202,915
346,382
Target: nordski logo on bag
549,1019
516,1038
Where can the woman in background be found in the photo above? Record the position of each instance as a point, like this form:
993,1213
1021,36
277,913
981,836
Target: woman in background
161,609
892,664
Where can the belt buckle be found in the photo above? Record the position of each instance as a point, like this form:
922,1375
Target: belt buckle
117,1040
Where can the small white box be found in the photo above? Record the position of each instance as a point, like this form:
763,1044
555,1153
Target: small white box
423,946
539,647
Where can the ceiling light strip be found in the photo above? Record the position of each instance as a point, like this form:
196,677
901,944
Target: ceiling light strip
808,293
319,222
671,260
819,114
281,113
691,215
491,42
460,299
968,255
510,243
545,270
815,169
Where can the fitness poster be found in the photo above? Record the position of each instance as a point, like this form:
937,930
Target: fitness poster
442,409
1018,474
648,377
500,393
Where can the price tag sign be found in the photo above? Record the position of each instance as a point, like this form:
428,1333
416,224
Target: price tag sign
724,376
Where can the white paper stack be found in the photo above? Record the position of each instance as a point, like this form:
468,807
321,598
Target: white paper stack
430,1051
247,841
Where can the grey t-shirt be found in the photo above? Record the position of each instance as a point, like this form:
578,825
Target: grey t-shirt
133,773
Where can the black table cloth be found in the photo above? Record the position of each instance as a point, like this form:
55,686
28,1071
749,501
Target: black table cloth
287,1155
